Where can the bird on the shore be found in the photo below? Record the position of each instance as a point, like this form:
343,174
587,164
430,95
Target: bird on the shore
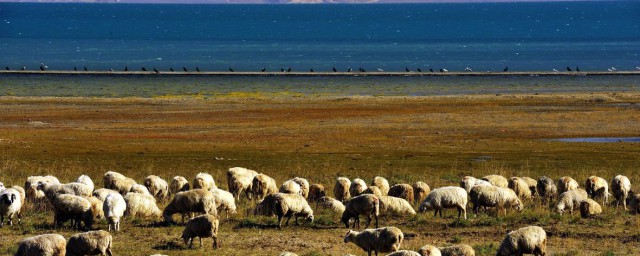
43,67
611,69
555,70
23,68
362,70
263,70
380,70
126,68
441,70
445,70
184,69
638,68
110,70
230,70
420,70
577,69
505,69
171,69
334,69
281,69
569,69
156,70
349,70
144,69
406,69
85,68
197,69
431,70
289,70
7,68
468,69
75,69
311,70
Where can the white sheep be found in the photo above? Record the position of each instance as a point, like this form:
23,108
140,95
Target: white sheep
266,206
90,243
140,189
387,239
10,205
520,187
43,245
332,204
589,207
114,207
141,205
263,185
118,182
96,206
497,180
420,191
290,187
34,180
566,183
570,200
446,197
205,225
84,179
186,202
158,187
532,185
620,187
468,182
52,190
365,204
304,186
404,191
429,250
224,201
357,187
403,253
546,189
204,181
292,205
102,193
492,196
530,240
239,180
316,191
382,184
395,206
341,189
597,187
374,190
454,250
75,208
178,184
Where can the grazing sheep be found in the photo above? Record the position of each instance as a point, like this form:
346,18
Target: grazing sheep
34,180
341,189
446,197
118,182
497,180
75,208
267,205
287,254
96,206
547,189
114,207
387,239
566,183
316,191
366,204
404,191
290,187
532,185
332,204
457,250
178,184
84,179
374,190
357,187
23,196
90,243
141,205
570,200
589,207
205,225
620,187
304,186
204,181
239,180
382,184
468,182
140,189
224,201
429,250
158,187
263,185
288,205
102,193
597,187
420,191
10,206
52,190
36,196
492,196
395,206
43,245
520,187
530,240
196,200
634,203
403,253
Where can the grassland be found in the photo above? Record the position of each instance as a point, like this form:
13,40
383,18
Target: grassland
433,139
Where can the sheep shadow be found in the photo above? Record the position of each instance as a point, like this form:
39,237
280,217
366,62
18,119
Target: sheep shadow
251,224
171,245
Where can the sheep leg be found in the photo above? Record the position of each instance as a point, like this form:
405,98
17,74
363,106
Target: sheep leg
108,251
190,242
279,221
289,218
215,242
200,241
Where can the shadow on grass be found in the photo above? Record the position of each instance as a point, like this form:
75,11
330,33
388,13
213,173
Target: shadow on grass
170,245
156,224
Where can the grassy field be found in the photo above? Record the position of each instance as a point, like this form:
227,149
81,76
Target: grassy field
405,139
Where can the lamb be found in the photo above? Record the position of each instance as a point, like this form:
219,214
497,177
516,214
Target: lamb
387,239
263,185
446,197
196,200
304,186
178,184
10,206
341,189
620,187
204,181
239,180
75,208
43,245
366,204
140,189
395,206
332,204
288,205
84,179
224,201
141,205
420,191
530,240
403,253
381,183
90,243
102,193
468,182
492,196
566,183
532,185
497,180
570,200
52,190
158,187
597,187
589,207
547,189
374,190
114,207
205,225
316,191
290,187
357,187
404,191
520,187
118,182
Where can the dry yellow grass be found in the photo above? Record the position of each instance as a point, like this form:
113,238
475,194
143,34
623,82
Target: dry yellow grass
432,139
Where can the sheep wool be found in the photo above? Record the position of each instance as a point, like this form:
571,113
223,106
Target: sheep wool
341,189
520,187
420,191
102,193
90,243
72,207
224,201
140,189
589,208
381,183
403,253
497,180
374,190
118,182
458,250
570,200
620,187
158,187
291,187
304,186
446,197
316,191
566,183
332,204
597,187
205,225
532,185
239,180
387,239
263,185
429,250
114,207
530,240
404,191
492,196
195,200
468,182
546,189
395,206
292,205
84,179
366,205
96,206
141,205
10,206
178,184
204,181
357,187
42,245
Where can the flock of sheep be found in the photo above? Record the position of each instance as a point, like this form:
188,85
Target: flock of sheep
81,204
